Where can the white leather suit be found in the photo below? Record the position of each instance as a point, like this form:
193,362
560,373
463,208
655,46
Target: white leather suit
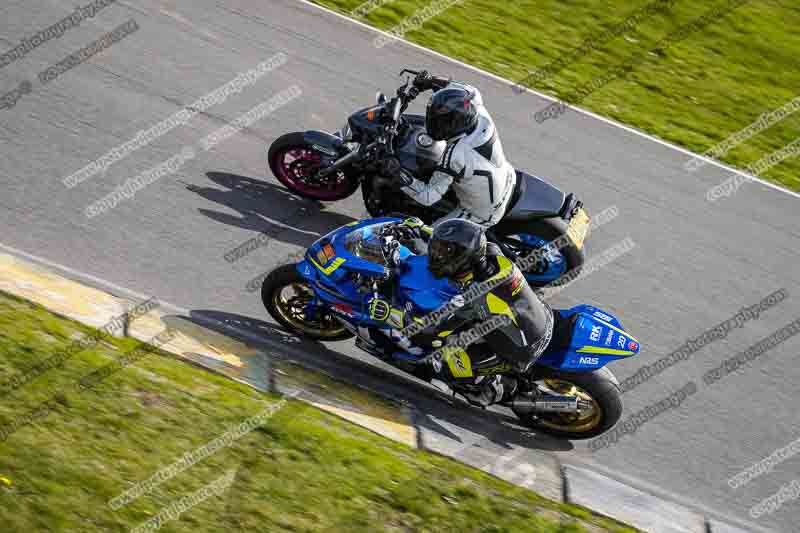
475,166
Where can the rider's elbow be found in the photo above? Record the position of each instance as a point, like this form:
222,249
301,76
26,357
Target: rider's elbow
427,200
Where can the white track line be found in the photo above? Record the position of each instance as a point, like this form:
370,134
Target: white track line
552,99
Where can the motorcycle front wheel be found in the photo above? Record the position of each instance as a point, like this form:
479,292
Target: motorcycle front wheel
295,162
287,298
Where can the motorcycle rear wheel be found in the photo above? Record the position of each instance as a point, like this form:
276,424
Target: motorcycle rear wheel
290,311
600,388
548,229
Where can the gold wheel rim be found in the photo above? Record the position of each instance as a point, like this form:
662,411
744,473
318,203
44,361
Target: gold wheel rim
291,310
584,421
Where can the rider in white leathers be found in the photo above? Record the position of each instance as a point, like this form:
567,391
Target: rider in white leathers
473,162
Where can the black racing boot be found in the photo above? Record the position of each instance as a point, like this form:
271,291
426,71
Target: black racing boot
488,390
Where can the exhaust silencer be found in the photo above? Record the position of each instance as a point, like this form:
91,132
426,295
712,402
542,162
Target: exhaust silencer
547,403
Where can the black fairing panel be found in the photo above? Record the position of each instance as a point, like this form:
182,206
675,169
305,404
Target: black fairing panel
537,199
364,128
325,140
415,120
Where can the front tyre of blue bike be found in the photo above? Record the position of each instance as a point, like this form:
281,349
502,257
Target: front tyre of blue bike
287,296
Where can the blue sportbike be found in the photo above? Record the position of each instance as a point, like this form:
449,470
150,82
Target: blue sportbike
570,393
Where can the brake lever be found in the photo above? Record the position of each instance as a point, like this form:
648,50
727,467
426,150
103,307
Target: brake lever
385,140
391,251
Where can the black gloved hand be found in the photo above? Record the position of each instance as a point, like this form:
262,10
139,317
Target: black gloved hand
391,168
437,83
423,81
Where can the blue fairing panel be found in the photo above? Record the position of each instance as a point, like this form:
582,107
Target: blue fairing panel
421,288
595,341
599,313
307,270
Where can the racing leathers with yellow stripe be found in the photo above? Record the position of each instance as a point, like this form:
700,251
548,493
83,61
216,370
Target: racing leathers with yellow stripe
451,344
529,328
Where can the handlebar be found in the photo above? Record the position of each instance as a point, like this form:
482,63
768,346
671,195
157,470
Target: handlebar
400,103
409,71
392,238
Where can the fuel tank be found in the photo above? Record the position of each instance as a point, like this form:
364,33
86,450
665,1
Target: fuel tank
421,289
419,153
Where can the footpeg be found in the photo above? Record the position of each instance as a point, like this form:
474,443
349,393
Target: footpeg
370,348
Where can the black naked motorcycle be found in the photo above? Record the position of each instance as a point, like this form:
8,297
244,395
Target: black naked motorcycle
329,167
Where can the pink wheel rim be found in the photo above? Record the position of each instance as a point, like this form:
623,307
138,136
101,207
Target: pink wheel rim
295,165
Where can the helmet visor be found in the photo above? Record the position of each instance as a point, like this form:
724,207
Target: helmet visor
446,258
449,113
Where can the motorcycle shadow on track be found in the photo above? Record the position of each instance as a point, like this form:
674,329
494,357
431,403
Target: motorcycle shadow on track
435,412
262,204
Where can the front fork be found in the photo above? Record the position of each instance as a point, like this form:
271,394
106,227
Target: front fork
342,162
311,310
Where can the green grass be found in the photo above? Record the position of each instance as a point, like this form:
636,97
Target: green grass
303,470
698,92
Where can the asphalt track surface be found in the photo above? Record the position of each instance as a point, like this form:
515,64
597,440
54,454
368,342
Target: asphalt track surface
695,263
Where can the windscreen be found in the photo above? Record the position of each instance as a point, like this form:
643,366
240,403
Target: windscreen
365,243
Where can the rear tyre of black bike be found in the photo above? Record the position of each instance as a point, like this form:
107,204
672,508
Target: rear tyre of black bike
547,229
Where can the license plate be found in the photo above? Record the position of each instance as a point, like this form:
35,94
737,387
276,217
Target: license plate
578,228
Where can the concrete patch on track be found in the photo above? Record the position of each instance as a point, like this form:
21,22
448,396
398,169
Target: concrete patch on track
72,300
404,433
525,462
195,342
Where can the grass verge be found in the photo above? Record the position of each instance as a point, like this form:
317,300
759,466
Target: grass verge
705,86
301,470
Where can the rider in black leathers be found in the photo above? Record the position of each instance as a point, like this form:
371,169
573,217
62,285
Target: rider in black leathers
458,250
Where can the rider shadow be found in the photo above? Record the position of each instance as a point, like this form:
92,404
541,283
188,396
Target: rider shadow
435,412
260,205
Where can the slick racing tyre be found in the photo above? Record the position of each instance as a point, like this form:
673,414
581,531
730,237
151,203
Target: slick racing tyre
598,390
287,295
537,233
294,162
